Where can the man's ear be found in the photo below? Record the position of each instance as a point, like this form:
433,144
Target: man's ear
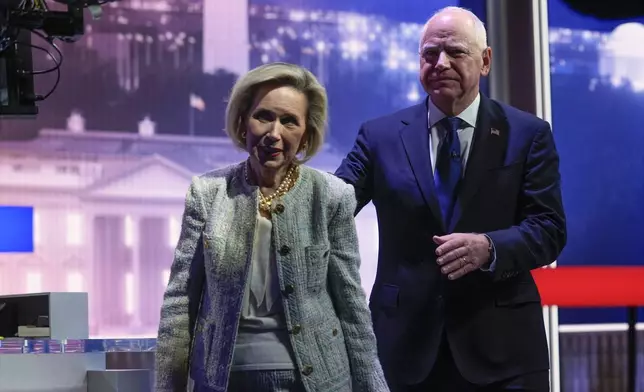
487,61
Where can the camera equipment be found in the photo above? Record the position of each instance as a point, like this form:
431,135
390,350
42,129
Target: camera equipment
20,22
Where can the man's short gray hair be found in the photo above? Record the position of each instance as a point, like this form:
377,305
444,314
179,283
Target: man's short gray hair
480,33
244,94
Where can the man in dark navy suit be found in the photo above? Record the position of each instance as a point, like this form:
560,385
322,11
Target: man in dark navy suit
467,192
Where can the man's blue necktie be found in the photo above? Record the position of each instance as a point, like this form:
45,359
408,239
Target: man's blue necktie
449,168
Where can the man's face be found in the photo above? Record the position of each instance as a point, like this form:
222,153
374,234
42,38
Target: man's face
451,63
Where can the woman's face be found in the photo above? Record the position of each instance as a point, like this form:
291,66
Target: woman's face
276,126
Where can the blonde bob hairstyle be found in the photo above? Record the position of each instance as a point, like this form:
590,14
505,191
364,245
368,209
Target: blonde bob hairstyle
244,93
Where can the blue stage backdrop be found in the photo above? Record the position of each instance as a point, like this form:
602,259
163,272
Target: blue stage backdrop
597,78
16,229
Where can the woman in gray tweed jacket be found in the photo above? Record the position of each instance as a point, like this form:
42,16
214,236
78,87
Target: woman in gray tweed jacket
264,292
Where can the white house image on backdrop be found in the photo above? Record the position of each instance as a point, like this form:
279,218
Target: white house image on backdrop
107,215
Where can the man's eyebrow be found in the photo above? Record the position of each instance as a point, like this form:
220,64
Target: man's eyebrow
448,45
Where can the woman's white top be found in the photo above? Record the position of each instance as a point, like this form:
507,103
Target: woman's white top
262,339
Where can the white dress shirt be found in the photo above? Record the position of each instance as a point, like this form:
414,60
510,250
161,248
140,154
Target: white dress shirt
465,133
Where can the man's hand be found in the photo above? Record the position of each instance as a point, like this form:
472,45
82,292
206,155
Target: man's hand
461,253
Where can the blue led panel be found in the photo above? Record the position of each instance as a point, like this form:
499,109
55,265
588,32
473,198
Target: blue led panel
16,229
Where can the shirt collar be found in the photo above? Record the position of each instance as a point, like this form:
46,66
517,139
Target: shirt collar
468,115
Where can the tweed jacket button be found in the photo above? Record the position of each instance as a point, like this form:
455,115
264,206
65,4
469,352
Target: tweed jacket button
285,250
279,208
288,289
296,329
335,332
307,370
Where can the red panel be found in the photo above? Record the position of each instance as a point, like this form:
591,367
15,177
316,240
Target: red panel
591,286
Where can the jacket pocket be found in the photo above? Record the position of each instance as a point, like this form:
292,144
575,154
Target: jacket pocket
333,348
516,294
317,265
505,168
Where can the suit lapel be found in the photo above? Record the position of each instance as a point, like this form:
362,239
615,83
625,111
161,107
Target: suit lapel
415,139
489,147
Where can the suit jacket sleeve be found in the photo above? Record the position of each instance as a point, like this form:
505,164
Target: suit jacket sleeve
540,236
179,307
357,169
350,301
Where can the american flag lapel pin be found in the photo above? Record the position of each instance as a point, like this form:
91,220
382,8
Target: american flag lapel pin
495,132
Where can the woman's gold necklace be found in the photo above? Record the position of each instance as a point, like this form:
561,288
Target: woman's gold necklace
266,202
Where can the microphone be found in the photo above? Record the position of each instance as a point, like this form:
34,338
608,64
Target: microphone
455,154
